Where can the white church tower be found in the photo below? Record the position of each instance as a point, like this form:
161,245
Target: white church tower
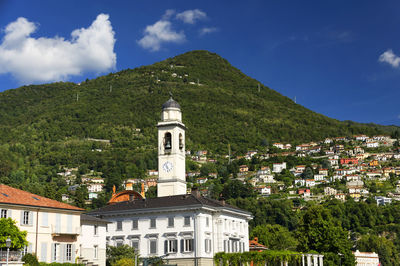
171,151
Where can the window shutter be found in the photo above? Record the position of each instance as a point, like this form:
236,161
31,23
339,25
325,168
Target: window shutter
73,254
69,223
58,222
53,246
165,246
45,218
182,247
22,217
29,250
205,245
175,245
9,213
43,252
63,252
30,219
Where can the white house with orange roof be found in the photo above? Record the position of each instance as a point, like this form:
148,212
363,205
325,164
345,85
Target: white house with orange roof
53,227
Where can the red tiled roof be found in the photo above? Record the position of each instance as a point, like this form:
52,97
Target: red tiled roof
10,195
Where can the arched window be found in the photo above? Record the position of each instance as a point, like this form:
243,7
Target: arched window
180,141
167,142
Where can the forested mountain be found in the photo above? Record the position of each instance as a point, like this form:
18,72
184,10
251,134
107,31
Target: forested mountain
234,107
45,127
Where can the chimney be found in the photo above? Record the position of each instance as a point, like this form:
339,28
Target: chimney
196,192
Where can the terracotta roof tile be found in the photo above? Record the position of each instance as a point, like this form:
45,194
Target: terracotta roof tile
10,195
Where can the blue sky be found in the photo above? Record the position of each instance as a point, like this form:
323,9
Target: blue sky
338,58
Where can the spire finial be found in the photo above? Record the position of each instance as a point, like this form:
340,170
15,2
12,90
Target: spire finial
170,94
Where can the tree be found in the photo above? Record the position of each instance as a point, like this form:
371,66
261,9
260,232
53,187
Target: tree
384,247
275,237
8,228
319,231
115,254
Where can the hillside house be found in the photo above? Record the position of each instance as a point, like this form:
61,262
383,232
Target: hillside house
278,167
310,183
349,161
243,168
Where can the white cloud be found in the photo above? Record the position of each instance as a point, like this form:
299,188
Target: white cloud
52,59
390,58
168,14
206,30
158,33
190,16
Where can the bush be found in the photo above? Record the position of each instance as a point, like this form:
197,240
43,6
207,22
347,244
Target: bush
125,262
30,259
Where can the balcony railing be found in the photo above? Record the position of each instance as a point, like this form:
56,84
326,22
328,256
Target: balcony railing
14,255
56,230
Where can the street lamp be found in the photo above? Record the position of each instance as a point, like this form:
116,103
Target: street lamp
8,245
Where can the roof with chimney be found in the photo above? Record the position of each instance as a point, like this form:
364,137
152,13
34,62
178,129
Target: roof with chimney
177,201
14,196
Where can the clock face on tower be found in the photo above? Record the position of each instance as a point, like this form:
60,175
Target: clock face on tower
167,166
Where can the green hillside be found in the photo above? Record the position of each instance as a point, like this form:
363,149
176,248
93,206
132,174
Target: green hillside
44,127
226,103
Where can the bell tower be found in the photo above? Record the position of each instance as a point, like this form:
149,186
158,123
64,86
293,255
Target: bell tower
171,151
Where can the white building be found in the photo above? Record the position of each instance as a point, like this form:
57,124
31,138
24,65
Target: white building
93,240
366,258
53,227
186,229
278,167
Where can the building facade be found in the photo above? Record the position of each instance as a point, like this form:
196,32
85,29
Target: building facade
53,227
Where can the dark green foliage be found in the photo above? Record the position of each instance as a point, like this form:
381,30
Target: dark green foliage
275,237
319,231
30,259
114,254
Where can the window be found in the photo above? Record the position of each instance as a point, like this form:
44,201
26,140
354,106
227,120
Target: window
56,249
68,252
153,246
135,224
188,245
207,245
171,246
186,221
95,230
226,246
153,223
95,252
167,142
24,250
3,213
207,221
170,221
25,218
135,244
119,243
119,225
180,141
